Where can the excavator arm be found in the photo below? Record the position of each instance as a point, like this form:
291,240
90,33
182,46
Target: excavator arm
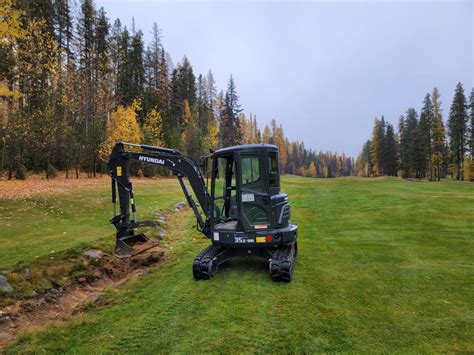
119,170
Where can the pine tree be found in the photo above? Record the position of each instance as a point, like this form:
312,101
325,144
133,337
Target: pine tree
458,131
471,140
136,85
403,148
183,88
124,72
391,149
230,125
412,132
425,136
470,166
438,141
153,56
364,164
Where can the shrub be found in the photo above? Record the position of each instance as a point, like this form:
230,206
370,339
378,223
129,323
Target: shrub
21,172
51,172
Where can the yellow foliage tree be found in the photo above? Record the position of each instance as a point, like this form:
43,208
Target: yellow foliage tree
302,171
312,169
266,135
153,128
211,140
190,135
10,26
123,126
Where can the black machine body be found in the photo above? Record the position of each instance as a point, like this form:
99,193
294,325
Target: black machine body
242,210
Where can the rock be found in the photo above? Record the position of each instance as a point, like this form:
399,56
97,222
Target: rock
26,273
180,205
5,286
81,280
161,220
94,254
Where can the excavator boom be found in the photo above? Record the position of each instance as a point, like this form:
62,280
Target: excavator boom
119,170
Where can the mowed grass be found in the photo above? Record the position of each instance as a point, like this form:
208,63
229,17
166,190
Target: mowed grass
384,265
41,225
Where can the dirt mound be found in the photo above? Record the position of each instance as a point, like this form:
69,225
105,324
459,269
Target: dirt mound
59,303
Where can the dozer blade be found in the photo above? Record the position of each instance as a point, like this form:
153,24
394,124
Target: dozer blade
133,245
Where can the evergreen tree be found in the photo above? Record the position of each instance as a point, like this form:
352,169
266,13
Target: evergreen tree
458,131
183,88
438,141
123,69
471,140
364,163
425,136
412,131
136,85
153,57
403,151
391,149
230,125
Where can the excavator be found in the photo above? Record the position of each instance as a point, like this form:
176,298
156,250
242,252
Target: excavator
244,213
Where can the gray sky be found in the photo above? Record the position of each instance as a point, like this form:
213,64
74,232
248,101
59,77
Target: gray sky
322,69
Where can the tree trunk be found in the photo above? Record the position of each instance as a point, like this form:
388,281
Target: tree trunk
10,171
77,167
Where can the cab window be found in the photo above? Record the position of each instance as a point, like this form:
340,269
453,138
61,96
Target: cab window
274,178
250,169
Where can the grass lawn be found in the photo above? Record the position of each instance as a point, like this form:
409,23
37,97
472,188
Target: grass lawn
384,265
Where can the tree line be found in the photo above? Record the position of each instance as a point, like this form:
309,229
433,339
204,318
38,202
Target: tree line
423,147
72,84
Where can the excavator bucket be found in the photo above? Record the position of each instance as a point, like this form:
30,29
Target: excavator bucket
132,245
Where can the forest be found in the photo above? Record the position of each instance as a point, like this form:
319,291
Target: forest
72,83
421,149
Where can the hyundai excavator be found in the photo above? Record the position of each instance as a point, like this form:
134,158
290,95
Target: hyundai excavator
244,214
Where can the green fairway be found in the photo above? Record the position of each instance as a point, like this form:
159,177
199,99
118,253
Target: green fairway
384,265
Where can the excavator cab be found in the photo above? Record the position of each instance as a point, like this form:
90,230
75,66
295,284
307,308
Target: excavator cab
245,212
245,189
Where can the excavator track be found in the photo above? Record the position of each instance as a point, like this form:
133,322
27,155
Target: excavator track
283,262
205,263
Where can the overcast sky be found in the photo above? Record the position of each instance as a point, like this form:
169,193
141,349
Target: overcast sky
322,69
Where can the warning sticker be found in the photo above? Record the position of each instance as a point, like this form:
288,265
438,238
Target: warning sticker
248,197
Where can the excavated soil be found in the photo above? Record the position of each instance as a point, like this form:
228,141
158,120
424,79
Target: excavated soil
60,304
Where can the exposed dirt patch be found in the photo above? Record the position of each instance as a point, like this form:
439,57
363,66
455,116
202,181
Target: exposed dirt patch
60,304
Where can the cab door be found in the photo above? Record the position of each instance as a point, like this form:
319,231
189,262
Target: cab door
254,192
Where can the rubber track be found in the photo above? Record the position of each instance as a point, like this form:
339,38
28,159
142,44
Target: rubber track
201,269
283,263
